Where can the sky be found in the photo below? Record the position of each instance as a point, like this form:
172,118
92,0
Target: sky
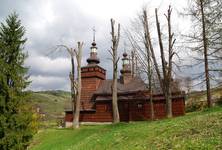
52,22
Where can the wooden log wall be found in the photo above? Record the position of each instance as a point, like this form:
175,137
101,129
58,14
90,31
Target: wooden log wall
130,111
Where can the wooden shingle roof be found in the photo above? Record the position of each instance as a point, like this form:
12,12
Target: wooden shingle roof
136,84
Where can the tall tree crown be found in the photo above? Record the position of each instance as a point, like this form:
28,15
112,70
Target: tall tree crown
12,43
15,116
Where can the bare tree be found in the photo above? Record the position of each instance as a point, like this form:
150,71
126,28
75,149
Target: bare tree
167,70
209,102
75,83
150,82
78,54
149,71
72,81
147,59
115,59
166,77
205,38
71,76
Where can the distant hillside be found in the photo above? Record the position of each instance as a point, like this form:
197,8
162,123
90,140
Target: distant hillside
197,100
51,103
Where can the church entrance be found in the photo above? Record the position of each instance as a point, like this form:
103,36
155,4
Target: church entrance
124,111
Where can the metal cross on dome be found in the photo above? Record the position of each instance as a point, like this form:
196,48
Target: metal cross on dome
94,33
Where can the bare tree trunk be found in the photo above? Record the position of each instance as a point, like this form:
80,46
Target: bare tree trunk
115,42
150,54
151,90
209,102
73,91
79,85
165,81
148,41
149,69
133,62
71,52
116,118
170,57
164,67
169,69
151,105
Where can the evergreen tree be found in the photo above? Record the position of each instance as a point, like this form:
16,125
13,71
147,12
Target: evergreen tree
15,116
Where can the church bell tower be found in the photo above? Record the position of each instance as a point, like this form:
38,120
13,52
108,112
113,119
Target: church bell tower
92,76
126,75
93,59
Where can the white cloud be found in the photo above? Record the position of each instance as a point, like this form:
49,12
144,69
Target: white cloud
47,66
40,82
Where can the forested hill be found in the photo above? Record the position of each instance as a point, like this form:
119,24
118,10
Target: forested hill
197,100
51,103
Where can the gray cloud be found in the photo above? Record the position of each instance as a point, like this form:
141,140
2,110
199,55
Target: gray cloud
40,82
52,22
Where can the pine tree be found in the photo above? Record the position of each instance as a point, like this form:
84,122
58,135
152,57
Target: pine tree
15,115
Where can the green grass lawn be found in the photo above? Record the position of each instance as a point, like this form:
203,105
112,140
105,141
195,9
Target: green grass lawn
198,130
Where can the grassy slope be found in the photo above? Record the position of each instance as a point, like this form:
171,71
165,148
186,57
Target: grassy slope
51,102
198,130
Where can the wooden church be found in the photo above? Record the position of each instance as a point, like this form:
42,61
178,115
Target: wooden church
133,95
